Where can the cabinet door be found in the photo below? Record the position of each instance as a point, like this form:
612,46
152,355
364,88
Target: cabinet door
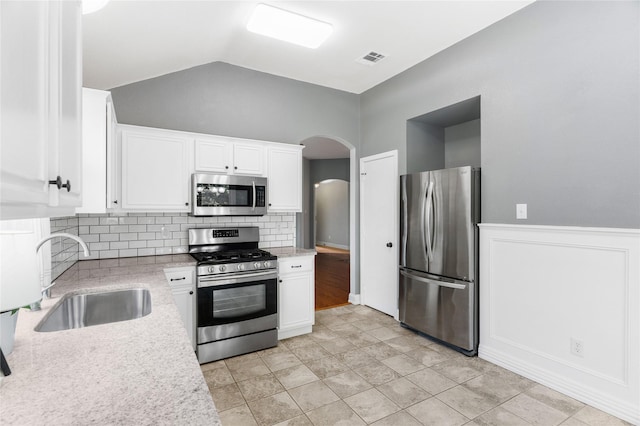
185,301
248,159
155,170
213,155
285,179
66,75
295,305
24,129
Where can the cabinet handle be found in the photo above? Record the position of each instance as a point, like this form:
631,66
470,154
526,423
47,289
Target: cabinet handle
226,167
178,279
67,185
186,204
269,204
191,292
57,182
115,202
279,281
389,245
296,266
235,167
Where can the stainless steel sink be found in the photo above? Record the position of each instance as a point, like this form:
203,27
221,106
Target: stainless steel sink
85,310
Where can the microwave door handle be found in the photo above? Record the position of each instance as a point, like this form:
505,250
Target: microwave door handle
253,183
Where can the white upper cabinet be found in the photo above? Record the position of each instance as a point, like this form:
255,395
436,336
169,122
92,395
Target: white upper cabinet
99,153
285,177
224,155
41,81
156,169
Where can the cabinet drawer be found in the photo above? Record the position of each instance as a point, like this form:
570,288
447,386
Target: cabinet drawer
179,276
295,264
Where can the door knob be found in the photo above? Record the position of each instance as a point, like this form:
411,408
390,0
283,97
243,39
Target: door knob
389,245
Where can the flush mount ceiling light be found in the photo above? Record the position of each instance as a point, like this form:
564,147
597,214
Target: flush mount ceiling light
90,6
288,26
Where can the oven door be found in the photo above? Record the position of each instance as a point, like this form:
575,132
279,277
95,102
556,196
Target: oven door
235,305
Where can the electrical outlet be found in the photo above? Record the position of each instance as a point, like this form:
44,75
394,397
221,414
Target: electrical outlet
521,211
577,347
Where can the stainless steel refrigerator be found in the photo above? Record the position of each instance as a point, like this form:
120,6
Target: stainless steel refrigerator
439,213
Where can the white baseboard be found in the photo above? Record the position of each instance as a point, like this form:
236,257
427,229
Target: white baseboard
541,287
354,299
339,246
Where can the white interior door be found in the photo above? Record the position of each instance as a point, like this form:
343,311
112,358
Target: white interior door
379,232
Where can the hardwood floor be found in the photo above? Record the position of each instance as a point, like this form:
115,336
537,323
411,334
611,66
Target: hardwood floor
332,277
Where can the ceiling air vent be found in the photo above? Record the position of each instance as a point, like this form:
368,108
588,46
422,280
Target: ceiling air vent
371,58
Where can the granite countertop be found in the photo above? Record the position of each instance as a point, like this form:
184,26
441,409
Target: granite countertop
291,251
142,371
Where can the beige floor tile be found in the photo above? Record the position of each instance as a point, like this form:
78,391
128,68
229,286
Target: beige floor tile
433,412
347,384
274,409
248,369
326,367
342,329
383,333
572,421
361,339
300,420
295,376
313,395
260,387
356,358
366,324
431,381
280,361
371,405
401,418
275,350
218,377
226,397
427,356
377,373
337,345
534,411
213,365
498,417
310,352
352,318
561,402
336,414
594,417
467,402
298,341
323,333
235,362
403,343
240,415
403,392
498,386
457,369
403,364
380,351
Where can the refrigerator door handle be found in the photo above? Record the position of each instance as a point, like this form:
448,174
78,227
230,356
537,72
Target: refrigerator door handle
434,282
427,219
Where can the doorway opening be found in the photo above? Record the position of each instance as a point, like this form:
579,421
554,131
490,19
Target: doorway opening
331,231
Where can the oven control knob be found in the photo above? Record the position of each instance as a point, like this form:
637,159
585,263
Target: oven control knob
257,265
212,268
267,264
222,268
241,267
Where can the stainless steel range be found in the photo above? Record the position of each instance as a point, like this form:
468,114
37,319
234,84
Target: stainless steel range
237,292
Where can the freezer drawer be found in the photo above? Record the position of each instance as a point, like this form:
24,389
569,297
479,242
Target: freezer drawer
445,310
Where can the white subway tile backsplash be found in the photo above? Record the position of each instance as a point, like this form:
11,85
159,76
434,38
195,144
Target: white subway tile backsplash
99,229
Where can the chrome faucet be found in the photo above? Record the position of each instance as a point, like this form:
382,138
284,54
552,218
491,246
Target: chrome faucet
46,291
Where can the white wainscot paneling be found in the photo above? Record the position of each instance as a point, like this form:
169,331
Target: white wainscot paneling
541,286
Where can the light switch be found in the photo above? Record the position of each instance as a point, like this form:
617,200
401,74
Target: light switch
521,211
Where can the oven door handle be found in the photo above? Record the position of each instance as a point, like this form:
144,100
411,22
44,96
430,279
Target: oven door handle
210,281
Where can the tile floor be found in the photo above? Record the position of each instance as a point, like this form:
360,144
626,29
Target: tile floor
360,367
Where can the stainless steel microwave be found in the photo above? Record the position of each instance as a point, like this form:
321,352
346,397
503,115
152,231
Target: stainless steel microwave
224,195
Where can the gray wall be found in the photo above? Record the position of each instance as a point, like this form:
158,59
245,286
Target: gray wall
462,145
223,99
320,170
560,94
332,213
425,147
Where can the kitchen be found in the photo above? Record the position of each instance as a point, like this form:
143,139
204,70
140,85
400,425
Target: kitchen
548,76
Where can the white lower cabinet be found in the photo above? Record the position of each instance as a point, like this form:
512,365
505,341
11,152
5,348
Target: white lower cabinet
183,288
296,296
